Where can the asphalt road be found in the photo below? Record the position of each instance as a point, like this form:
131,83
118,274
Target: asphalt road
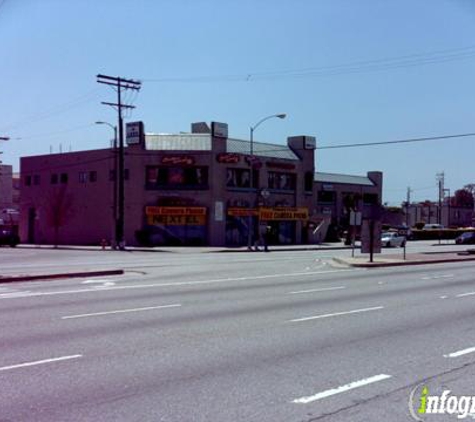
232,337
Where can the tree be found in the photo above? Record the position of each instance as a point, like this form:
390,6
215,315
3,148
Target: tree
471,188
462,198
59,210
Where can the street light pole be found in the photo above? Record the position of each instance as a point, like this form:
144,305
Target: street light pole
251,181
114,200
3,138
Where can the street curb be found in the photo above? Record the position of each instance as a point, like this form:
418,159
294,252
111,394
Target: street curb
338,248
398,264
13,279
170,250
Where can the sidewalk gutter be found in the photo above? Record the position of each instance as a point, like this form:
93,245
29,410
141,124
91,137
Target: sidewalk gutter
399,263
40,277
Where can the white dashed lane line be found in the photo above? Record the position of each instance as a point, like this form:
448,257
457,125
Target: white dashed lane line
39,362
466,294
341,389
323,289
354,311
460,353
122,311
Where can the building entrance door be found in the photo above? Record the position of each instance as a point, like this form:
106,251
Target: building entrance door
31,225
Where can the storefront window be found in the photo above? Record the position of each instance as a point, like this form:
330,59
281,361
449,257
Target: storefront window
176,177
281,181
241,178
326,197
308,182
370,198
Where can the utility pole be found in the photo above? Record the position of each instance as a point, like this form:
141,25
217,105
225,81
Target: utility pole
447,200
2,138
408,202
440,178
120,84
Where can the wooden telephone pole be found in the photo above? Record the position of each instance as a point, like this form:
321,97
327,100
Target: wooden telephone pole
120,84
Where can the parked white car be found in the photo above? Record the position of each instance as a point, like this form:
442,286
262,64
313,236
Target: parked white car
392,239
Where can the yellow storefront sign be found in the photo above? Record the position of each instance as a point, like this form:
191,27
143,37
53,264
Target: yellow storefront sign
177,220
283,214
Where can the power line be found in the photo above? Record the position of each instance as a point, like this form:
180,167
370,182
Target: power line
56,133
53,111
399,141
389,63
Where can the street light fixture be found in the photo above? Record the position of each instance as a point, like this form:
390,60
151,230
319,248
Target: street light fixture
114,128
251,183
3,138
114,206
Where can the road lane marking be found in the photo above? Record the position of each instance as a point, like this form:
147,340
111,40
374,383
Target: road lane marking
342,389
121,311
323,289
39,362
355,311
435,277
178,284
465,294
13,295
103,283
443,297
460,353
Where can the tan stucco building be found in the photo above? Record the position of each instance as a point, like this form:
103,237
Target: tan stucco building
184,189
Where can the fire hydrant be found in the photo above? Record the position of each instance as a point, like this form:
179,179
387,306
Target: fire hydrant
103,244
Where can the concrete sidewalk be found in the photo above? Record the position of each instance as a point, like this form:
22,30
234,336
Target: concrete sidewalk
393,260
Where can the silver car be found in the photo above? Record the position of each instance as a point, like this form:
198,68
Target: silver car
392,239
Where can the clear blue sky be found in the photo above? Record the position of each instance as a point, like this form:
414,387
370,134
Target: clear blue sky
259,57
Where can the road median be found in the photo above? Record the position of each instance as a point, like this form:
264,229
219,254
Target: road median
55,276
411,259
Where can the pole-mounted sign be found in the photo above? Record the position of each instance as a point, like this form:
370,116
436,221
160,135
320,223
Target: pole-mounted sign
134,133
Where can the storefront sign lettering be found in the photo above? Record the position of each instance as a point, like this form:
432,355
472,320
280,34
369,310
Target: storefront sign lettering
178,160
283,214
177,220
242,212
228,158
173,211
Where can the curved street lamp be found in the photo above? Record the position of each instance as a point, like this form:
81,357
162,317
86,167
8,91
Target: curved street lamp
251,183
114,128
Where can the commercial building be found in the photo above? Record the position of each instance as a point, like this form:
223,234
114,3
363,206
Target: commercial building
338,194
198,188
190,189
6,186
429,212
